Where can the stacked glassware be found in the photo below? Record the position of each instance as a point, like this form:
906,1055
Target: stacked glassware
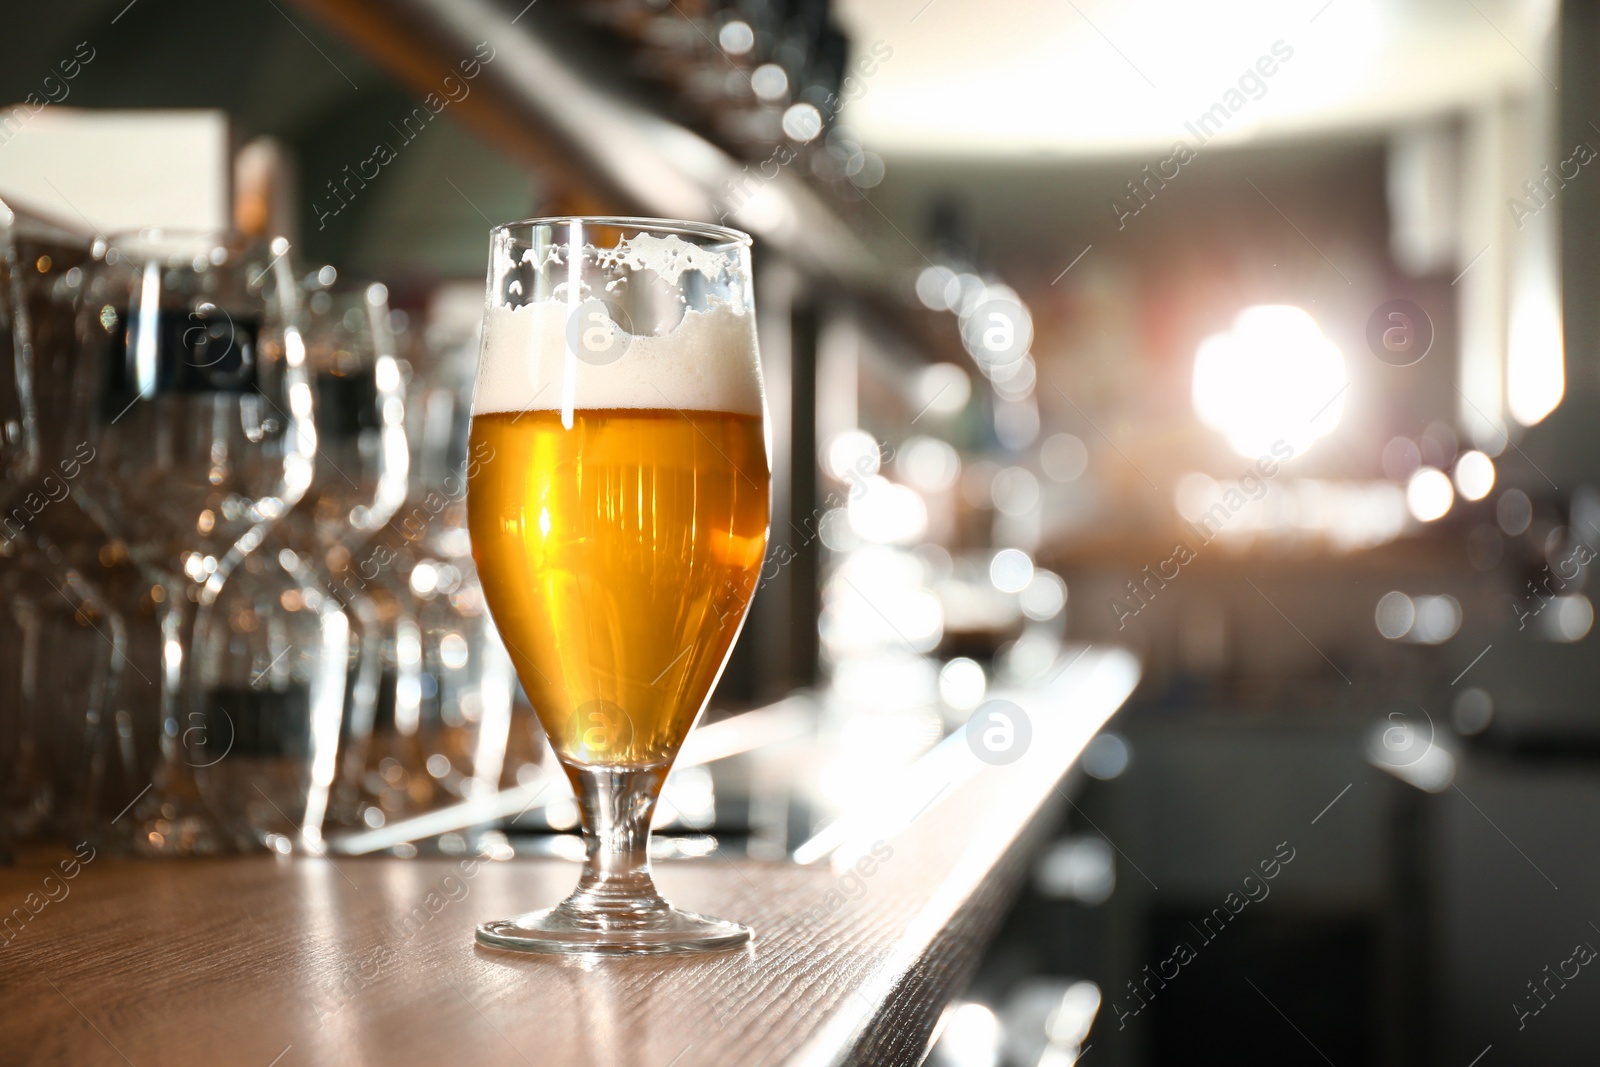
242,609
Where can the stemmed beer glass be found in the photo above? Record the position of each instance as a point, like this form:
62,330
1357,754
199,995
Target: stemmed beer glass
197,403
619,523
71,645
358,481
19,462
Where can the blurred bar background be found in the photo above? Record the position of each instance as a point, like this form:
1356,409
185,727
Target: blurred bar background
1255,338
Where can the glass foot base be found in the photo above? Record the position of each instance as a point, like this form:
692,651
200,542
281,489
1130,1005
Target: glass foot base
555,930
178,828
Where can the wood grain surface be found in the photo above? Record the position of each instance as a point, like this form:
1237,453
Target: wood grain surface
266,962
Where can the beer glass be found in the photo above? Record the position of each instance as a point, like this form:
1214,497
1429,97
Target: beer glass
358,482
68,646
618,517
196,400
19,462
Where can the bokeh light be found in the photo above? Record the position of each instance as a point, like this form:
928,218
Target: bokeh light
1438,619
1106,757
887,513
942,389
1472,711
929,464
736,37
1395,615
1429,494
1064,457
1011,570
1016,491
1272,380
970,1037
1474,475
852,455
1044,597
962,683
1567,619
1514,512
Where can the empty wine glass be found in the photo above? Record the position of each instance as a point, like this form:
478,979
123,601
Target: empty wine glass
362,459
292,650
19,460
62,640
448,692
197,402
19,438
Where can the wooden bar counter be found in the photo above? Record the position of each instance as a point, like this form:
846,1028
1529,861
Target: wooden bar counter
273,962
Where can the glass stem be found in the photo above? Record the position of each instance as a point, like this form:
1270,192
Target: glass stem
616,805
179,613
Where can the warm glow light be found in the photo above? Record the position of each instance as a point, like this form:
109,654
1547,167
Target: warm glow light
425,576
851,456
1535,373
1429,494
877,599
1474,475
1349,515
1272,380
1536,379
971,1037
887,513
1366,59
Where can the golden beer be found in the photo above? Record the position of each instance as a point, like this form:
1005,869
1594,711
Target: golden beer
618,558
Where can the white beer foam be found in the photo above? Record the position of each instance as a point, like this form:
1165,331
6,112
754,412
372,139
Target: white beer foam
706,363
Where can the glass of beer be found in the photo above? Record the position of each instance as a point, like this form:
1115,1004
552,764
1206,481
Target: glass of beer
618,509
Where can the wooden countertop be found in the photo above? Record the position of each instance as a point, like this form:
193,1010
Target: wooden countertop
266,962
